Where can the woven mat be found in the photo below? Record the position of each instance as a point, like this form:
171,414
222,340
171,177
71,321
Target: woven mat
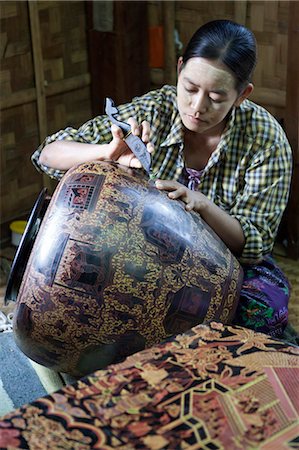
19,382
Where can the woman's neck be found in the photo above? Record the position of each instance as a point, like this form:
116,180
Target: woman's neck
198,148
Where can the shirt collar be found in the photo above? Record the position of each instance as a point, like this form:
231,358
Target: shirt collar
223,144
230,123
176,133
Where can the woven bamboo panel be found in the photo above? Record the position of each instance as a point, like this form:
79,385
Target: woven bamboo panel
191,15
62,31
16,65
20,182
269,22
63,36
19,134
68,109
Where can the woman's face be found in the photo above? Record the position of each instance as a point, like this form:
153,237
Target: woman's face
205,94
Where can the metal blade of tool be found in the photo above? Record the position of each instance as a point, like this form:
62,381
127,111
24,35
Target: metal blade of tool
140,151
137,146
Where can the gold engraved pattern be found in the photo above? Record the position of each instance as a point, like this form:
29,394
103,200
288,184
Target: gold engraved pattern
126,267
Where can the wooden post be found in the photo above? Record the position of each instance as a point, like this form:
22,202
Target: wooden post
39,79
118,58
292,126
240,11
169,44
38,69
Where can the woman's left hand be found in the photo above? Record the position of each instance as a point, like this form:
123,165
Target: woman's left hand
194,200
227,227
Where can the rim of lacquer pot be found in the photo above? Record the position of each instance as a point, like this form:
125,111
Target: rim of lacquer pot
25,247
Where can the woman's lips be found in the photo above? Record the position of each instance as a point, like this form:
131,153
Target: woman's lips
195,119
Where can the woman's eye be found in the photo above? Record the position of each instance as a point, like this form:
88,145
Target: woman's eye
216,100
191,90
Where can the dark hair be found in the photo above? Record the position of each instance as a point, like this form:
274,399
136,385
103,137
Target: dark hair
228,42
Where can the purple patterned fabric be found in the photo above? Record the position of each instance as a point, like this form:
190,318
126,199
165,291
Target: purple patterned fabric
264,298
194,178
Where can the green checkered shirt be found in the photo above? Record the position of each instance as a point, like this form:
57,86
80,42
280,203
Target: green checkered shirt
248,175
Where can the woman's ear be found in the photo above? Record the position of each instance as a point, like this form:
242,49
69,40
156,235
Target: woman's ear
180,65
245,94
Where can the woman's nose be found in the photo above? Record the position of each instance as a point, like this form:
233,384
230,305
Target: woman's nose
200,104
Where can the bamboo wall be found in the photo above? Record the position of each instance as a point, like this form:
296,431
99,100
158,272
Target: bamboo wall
267,19
44,87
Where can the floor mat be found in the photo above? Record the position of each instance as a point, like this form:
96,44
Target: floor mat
19,382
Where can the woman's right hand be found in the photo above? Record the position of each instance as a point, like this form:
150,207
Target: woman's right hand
64,154
117,150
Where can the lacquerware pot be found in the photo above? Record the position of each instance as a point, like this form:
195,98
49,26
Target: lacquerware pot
114,267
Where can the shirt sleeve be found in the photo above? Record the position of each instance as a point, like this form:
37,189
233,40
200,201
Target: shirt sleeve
150,107
259,207
95,131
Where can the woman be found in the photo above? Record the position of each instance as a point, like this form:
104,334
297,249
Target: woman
224,156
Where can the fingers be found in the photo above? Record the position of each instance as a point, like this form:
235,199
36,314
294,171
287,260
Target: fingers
150,147
178,193
119,150
175,189
167,185
135,163
129,160
146,131
116,132
190,206
134,126
142,130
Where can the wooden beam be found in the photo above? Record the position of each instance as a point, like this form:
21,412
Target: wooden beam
240,11
68,84
38,69
118,60
292,127
18,98
264,96
269,97
169,44
55,88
